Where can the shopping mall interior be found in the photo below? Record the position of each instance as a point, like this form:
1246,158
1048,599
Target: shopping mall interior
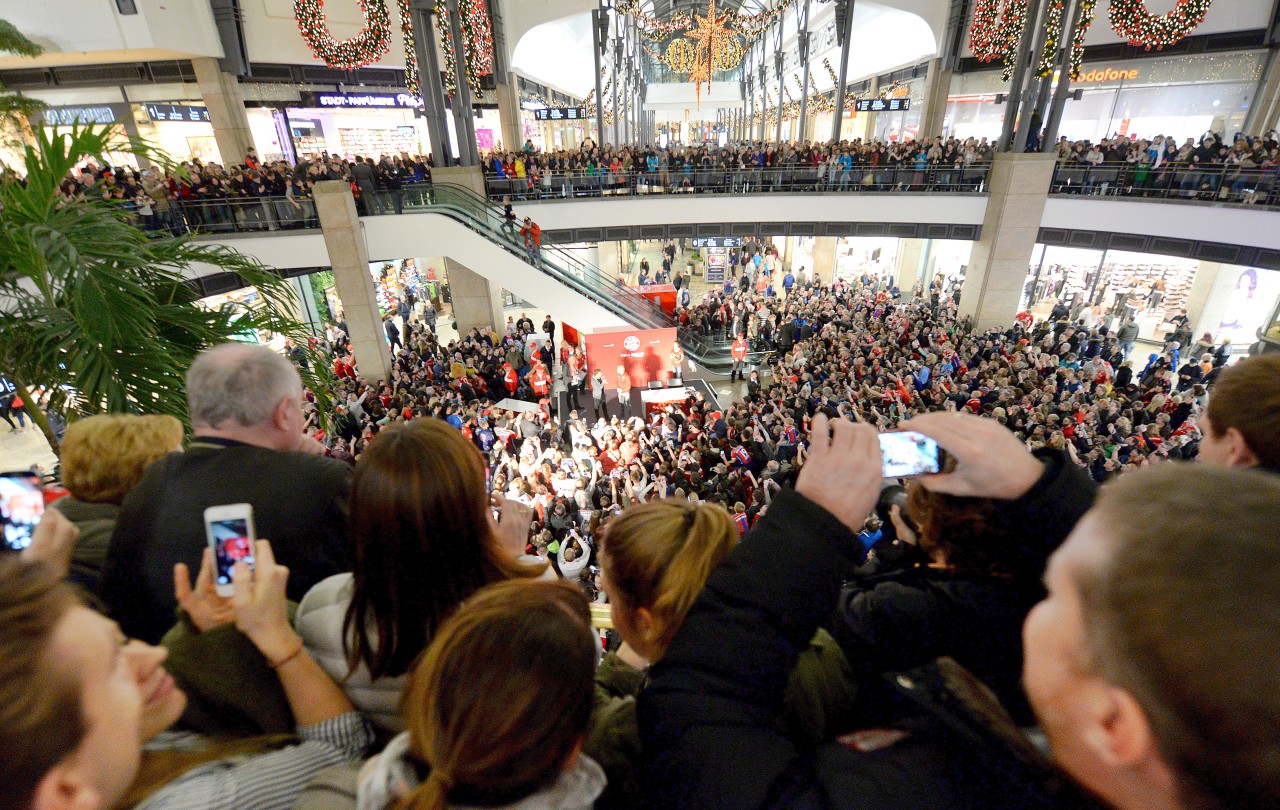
409,404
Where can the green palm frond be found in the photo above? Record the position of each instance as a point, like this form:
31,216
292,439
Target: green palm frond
94,306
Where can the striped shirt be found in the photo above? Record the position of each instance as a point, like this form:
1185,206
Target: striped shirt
268,781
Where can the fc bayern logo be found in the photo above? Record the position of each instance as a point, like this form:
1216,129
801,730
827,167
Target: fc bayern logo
631,343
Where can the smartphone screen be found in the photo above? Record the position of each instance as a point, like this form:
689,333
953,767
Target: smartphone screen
909,453
21,507
232,543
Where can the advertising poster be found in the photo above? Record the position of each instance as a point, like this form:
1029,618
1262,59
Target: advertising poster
645,353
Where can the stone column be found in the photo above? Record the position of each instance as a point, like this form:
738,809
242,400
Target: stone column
937,86
468,177
349,258
824,258
476,303
610,255
864,126
1018,189
225,102
911,254
788,251
509,113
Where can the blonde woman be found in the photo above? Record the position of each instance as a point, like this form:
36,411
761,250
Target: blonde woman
103,457
654,560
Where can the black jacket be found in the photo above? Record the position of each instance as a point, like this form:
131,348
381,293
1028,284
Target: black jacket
902,616
707,715
299,504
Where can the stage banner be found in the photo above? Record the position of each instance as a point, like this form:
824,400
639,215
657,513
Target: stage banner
645,353
570,335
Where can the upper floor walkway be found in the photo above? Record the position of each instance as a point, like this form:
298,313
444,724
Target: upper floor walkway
1097,213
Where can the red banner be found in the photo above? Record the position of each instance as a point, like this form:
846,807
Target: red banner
664,295
644,353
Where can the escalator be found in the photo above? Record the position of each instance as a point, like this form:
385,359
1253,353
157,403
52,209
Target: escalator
485,219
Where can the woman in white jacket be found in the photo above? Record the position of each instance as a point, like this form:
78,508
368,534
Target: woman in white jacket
423,539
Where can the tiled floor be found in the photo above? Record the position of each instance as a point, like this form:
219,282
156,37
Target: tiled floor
22,451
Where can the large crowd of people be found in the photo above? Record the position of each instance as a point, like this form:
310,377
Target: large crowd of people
420,618
275,194
438,659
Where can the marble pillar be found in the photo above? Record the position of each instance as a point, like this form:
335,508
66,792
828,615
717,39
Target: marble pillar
349,258
1018,189
225,103
476,303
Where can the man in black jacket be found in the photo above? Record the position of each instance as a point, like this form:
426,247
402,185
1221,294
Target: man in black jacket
1154,679
249,447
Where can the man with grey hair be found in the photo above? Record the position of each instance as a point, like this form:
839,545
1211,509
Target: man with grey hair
249,447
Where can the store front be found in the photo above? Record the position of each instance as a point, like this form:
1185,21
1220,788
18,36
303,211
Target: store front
1181,96
180,129
552,128
349,124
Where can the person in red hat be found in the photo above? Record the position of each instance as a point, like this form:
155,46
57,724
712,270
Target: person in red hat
510,379
540,380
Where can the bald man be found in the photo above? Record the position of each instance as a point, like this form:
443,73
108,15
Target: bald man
249,447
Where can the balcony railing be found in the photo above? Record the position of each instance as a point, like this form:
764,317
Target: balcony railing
1215,185
879,179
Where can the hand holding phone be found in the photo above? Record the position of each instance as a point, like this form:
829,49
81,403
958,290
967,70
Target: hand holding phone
910,453
21,508
231,539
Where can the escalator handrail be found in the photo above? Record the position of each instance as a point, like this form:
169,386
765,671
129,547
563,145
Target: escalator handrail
631,303
464,209
567,278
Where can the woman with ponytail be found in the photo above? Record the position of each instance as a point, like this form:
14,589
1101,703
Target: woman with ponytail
498,709
654,560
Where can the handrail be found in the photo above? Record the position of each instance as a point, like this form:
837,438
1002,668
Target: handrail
884,179
1221,184
554,261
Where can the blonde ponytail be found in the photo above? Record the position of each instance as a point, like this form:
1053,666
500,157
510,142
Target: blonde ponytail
658,556
432,794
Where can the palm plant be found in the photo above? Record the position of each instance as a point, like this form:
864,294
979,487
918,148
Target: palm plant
102,312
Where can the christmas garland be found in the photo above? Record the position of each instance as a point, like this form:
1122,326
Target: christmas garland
413,79
365,48
1131,20
477,38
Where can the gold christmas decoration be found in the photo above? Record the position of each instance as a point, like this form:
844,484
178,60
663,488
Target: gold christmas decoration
710,35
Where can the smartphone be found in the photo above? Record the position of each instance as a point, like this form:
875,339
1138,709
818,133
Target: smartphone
230,531
21,507
909,453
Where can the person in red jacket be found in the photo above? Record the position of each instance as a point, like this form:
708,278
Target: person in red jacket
510,379
739,352
540,380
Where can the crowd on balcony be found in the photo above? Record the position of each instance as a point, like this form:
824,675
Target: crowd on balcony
1210,168
939,164
785,630
251,195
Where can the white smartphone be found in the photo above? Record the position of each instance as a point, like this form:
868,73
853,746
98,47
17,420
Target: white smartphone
230,531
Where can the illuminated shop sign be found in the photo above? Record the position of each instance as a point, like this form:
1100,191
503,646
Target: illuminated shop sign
367,100
883,104
68,116
177,112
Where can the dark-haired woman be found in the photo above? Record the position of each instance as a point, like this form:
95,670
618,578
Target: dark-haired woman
423,540
498,710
